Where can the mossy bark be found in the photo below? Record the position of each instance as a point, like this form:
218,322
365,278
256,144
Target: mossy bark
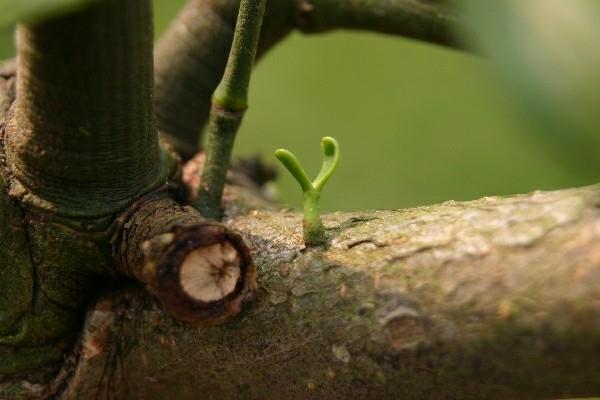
48,261
78,150
77,146
497,298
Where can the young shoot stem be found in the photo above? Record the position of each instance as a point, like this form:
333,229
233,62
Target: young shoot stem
314,231
229,102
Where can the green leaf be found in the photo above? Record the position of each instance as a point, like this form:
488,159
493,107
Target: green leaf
547,53
291,162
13,11
331,157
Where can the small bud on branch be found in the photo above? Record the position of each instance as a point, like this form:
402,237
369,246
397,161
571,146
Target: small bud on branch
314,232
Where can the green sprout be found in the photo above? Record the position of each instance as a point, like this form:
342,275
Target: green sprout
314,231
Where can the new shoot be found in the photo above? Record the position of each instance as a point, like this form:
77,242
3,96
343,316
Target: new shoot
314,231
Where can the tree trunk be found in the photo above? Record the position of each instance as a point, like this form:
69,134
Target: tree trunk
490,299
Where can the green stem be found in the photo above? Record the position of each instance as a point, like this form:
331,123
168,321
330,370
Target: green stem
229,103
189,62
82,141
313,229
191,55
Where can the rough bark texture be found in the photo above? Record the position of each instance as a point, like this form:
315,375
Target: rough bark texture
81,139
77,147
47,265
491,299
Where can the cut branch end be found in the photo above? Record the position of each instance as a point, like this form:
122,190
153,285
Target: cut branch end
200,271
210,273
202,276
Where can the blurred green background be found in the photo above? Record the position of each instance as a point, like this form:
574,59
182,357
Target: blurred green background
417,124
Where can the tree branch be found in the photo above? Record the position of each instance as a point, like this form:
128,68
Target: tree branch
426,20
82,140
191,55
78,146
496,298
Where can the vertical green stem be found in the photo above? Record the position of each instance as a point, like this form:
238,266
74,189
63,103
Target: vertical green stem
314,231
82,139
189,62
229,103
190,59
191,55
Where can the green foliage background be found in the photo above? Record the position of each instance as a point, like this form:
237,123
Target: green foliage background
417,124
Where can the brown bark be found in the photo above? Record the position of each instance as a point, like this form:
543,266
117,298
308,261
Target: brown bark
497,298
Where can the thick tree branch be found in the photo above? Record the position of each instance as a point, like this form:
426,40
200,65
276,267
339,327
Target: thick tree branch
491,299
78,147
191,56
81,140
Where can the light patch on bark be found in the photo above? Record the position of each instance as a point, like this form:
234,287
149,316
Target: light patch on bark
210,273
